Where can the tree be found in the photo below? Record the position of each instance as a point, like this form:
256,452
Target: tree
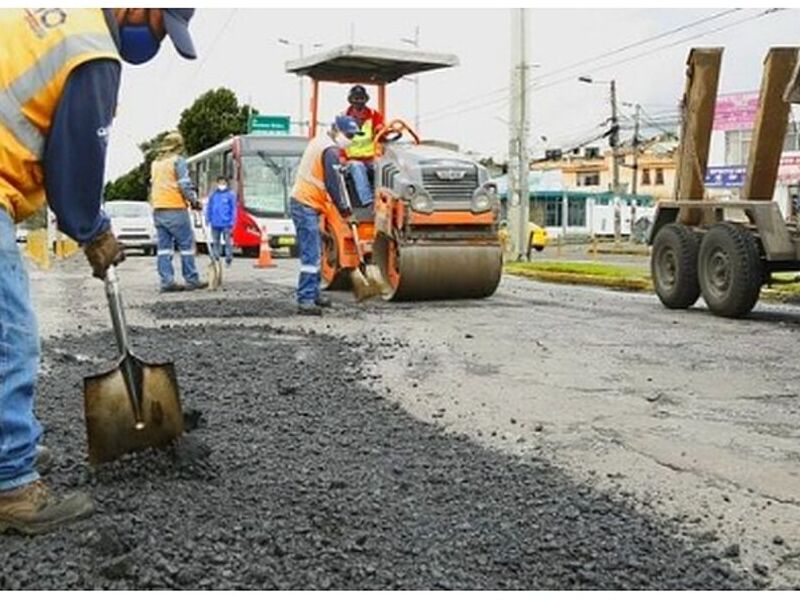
133,185
212,118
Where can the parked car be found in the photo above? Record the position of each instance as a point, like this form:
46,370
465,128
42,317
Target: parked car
132,223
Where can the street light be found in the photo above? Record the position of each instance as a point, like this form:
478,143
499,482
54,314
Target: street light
300,47
614,143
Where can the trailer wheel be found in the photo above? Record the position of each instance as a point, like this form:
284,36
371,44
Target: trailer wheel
730,270
673,266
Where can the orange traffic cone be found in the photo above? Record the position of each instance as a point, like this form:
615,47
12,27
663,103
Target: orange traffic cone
264,255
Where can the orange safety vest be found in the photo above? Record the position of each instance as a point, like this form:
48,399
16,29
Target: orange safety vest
165,192
309,187
39,48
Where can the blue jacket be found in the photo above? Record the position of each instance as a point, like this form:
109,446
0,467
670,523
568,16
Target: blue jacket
221,209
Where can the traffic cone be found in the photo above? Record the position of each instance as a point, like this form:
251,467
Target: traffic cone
264,255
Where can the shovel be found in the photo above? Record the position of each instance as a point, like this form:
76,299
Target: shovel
134,406
366,279
214,270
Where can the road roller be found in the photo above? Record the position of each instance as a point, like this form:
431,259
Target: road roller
433,227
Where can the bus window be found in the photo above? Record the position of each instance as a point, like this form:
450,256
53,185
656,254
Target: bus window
214,170
229,166
267,182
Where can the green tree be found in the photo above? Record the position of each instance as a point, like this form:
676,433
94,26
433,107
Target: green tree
133,185
212,118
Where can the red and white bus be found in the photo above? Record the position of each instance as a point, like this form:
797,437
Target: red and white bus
261,170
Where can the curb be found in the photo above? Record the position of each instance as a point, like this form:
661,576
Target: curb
632,284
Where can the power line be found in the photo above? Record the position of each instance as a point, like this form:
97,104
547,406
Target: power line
536,88
589,60
642,42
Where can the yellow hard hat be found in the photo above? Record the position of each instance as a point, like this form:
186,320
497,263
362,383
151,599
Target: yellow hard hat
172,142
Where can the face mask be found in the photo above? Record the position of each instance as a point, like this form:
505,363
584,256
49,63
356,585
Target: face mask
343,141
222,187
138,44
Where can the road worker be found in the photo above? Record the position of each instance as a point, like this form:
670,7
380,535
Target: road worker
361,153
171,193
59,79
318,183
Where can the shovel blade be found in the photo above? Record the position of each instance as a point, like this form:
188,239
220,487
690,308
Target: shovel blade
367,284
214,275
111,423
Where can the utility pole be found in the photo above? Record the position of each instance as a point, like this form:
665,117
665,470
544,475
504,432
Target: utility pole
614,141
415,42
635,182
518,164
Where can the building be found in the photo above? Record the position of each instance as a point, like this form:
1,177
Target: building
734,119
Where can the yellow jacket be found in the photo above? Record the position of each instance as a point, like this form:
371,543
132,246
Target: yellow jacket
39,48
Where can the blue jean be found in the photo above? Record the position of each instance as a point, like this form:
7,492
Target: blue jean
306,225
19,365
175,226
359,171
225,234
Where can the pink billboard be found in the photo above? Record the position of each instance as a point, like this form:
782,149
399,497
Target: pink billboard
735,111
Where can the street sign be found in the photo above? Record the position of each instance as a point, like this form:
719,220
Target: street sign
269,124
725,177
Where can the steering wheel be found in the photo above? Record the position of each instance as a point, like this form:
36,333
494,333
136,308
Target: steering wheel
394,130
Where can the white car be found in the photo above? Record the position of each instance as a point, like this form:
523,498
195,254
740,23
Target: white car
132,224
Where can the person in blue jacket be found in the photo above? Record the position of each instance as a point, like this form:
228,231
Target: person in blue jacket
221,215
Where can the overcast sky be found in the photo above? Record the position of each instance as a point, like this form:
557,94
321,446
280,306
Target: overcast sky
468,104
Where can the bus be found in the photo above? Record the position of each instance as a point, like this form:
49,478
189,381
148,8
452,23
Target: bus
261,170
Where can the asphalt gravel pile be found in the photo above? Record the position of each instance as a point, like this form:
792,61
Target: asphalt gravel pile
271,301
298,476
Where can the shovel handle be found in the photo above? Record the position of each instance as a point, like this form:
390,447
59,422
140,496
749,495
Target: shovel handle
353,226
116,310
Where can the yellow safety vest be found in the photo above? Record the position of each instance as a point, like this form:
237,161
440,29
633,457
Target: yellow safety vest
309,187
165,193
39,48
363,145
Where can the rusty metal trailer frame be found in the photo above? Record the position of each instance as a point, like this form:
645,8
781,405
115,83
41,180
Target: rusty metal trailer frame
725,250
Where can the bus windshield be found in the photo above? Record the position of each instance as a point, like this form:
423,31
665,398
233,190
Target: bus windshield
267,180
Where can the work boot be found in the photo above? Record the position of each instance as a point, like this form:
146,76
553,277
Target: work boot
33,508
200,285
172,287
311,310
323,301
44,460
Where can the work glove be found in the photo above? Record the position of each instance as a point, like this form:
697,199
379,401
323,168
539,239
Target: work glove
102,252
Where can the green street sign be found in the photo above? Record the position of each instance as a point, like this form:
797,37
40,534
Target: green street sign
269,124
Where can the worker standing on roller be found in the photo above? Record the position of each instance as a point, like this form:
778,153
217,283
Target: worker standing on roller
59,79
171,193
317,183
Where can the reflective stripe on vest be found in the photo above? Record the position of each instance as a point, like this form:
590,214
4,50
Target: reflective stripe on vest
363,145
309,187
166,193
39,48
14,96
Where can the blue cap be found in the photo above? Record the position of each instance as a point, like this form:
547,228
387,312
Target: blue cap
347,125
176,22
